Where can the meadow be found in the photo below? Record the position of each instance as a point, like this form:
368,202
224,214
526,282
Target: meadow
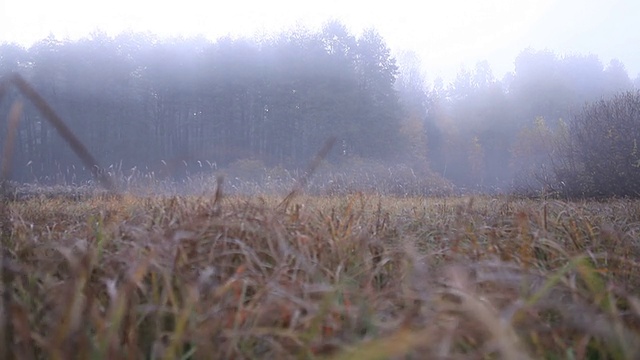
353,276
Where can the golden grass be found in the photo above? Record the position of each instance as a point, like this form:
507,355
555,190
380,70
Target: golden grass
358,277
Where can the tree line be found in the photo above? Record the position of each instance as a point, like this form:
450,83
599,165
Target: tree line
138,101
141,102
479,128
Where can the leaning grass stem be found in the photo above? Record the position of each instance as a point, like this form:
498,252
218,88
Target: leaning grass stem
182,320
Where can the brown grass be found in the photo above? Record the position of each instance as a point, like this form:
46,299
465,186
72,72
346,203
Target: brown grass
358,277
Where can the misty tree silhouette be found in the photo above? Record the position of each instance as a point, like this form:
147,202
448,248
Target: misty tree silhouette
63,130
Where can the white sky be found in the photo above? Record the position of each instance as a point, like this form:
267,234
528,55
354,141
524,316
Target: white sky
445,34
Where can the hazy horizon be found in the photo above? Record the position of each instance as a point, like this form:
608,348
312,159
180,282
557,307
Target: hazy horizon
445,37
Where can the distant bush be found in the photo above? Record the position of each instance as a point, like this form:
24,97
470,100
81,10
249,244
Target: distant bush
601,157
247,169
353,174
594,155
363,175
532,159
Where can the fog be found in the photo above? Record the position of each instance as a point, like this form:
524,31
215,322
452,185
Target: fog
172,113
445,35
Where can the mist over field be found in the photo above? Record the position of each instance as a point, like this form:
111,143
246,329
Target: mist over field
257,109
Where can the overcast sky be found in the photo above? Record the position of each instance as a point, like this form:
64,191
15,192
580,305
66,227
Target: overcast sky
444,34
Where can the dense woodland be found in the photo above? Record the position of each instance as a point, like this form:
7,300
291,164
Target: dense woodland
140,102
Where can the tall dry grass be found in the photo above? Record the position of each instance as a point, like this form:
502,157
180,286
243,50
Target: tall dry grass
358,277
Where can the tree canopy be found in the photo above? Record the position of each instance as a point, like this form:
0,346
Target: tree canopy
138,101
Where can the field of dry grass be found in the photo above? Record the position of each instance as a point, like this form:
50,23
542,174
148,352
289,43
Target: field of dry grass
351,277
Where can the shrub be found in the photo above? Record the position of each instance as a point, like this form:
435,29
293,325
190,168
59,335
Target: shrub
531,159
247,169
594,155
600,157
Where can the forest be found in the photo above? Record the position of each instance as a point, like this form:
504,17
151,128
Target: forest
180,106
